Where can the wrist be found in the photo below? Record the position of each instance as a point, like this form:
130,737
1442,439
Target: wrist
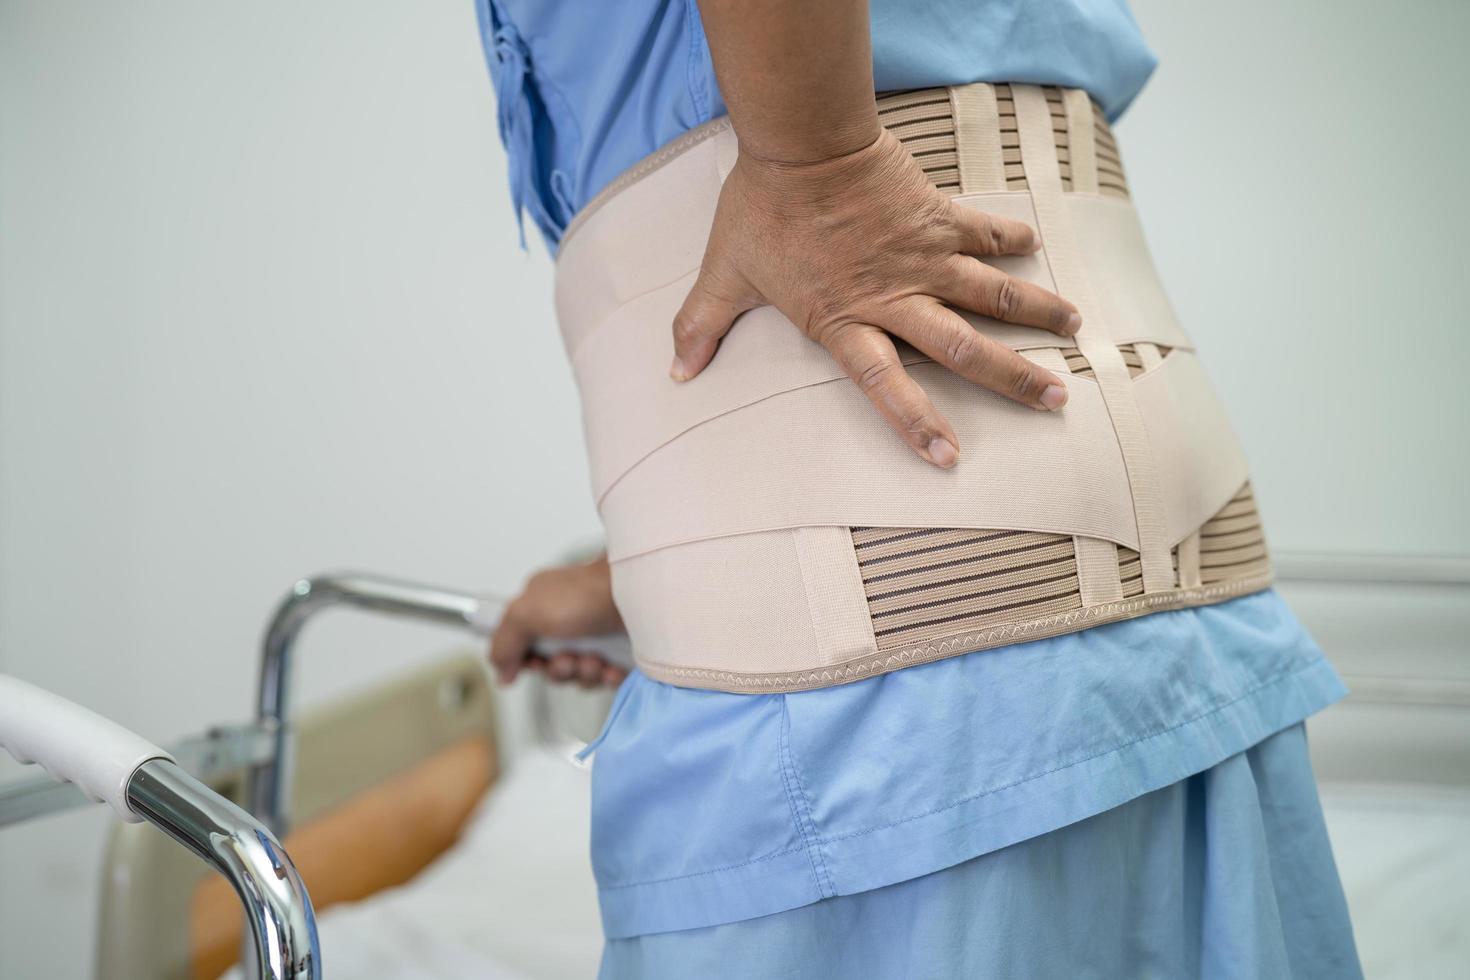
815,144
873,168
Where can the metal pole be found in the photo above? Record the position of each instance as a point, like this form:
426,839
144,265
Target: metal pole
281,923
269,787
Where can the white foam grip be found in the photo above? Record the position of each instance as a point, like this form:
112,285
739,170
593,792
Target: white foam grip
72,743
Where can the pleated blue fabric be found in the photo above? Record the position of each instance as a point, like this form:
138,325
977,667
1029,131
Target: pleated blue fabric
1224,875
710,807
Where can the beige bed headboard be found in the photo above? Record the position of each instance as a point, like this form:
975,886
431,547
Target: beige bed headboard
417,753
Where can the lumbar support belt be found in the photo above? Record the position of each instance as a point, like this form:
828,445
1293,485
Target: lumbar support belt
768,532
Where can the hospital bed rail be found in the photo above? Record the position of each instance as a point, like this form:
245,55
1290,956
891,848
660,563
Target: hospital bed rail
143,783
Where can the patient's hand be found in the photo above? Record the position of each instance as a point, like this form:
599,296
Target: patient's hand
565,602
860,246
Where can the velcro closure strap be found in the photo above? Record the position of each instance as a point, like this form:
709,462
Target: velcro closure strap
822,455
630,405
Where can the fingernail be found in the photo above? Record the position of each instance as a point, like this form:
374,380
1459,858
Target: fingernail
942,453
676,370
1054,397
1036,242
1074,323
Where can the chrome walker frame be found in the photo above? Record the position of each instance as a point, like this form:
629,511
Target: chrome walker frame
281,941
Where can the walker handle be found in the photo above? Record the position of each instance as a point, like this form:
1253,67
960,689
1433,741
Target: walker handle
73,744
615,648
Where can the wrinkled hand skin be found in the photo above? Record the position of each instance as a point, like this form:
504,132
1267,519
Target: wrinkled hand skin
563,602
859,249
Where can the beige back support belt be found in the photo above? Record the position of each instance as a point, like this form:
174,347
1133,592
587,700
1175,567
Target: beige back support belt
768,532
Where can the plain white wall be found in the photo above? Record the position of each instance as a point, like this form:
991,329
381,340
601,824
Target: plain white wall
1300,172
263,313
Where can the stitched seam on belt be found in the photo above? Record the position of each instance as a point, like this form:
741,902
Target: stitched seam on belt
642,169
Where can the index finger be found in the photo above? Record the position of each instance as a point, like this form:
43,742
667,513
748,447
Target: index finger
990,234
510,645
868,356
945,336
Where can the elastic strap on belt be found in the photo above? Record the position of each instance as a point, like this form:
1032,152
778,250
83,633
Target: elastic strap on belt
1081,146
977,138
1043,176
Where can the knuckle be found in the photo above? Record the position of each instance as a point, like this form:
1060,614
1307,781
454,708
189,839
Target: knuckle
936,210
686,329
1023,383
966,352
1007,298
829,319
978,233
822,328
875,376
997,237
914,419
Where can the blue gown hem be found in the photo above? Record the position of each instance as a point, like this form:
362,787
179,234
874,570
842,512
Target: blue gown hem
905,849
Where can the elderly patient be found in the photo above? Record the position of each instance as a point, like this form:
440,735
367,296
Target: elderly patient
957,651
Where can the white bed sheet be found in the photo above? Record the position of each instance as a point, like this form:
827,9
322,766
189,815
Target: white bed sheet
515,900
1403,852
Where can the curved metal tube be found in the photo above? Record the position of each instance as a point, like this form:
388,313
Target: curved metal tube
282,925
269,787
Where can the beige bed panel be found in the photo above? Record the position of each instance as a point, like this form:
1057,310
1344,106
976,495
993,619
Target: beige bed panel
376,839
431,728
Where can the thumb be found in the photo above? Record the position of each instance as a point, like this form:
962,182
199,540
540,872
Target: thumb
511,644
706,316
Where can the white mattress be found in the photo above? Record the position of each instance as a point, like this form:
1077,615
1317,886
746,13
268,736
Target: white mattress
515,898
512,900
1403,852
